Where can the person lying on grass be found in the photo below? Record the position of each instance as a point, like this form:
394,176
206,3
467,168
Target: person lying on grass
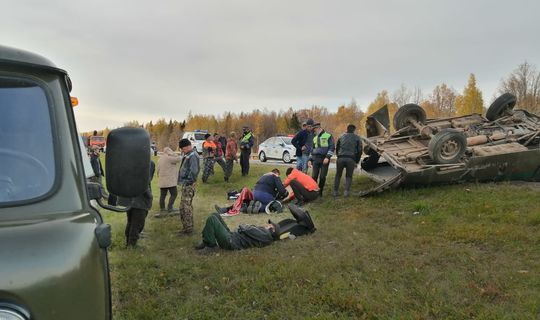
217,235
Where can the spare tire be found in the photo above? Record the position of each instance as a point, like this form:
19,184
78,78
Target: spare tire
501,106
406,113
447,146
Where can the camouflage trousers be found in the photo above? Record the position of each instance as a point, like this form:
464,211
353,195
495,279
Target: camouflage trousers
186,207
208,168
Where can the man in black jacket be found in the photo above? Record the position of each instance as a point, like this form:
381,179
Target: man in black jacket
138,210
349,151
302,142
217,235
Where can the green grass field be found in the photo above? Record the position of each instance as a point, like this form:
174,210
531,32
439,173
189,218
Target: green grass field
472,251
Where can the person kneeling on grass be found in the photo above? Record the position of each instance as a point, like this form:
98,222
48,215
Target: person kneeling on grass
217,235
304,187
267,189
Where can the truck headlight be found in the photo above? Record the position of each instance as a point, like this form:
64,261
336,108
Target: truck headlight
8,314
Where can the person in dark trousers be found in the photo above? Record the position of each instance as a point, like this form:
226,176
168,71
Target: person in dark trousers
220,153
187,177
304,188
267,189
323,150
167,179
138,210
230,155
216,234
349,151
299,141
209,156
246,143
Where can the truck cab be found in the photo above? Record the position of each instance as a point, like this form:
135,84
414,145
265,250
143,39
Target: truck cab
53,240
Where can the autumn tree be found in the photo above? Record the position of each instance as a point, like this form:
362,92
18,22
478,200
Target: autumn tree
524,83
381,100
295,123
441,102
471,101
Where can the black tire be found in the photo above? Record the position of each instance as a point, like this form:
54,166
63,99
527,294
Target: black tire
262,156
501,106
406,113
286,157
447,146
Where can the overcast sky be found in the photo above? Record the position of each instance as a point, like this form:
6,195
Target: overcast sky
143,60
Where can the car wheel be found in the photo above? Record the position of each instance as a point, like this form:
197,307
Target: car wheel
286,157
447,146
262,156
501,106
406,113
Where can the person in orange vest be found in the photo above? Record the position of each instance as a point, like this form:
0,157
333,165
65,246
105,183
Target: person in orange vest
209,157
304,187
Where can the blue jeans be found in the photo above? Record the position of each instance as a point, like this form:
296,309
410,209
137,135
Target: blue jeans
301,162
263,197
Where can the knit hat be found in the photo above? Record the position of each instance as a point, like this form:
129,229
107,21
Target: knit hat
310,122
184,143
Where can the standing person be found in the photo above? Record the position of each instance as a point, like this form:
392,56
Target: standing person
209,156
95,162
323,150
187,177
138,210
167,179
349,151
223,141
220,154
246,143
230,155
299,142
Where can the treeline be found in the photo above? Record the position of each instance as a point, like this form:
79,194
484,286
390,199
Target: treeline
442,101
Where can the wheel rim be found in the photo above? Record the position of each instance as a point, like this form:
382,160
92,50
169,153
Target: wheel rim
286,157
450,149
262,156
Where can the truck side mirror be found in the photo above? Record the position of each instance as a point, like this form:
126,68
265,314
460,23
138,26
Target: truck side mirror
128,162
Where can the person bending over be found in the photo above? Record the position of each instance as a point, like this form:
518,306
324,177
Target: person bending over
304,187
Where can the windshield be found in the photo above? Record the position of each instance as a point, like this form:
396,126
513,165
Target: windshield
199,136
287,140
26,144
96,138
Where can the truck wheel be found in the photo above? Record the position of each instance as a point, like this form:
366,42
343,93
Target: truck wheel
286,157
262,156
501,106
406,113
447,146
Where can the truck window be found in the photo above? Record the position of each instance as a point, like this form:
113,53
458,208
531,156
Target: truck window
27,161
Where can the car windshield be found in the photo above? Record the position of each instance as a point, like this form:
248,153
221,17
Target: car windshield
27,167
287,140
199,136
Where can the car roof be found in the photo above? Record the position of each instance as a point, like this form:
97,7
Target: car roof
22,57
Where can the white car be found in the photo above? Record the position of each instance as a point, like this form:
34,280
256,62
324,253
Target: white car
197,138
277,148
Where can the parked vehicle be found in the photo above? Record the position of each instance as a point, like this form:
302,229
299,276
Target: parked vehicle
97,141
197,138
279,147
503,145
53,241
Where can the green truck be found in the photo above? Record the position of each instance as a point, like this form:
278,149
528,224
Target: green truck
53,241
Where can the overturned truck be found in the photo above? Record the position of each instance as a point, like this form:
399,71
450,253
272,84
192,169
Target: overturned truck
503,145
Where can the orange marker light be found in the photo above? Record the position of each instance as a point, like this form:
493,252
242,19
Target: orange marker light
74,101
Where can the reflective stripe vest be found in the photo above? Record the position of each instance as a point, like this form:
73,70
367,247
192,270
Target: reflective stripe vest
321,141
245,139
